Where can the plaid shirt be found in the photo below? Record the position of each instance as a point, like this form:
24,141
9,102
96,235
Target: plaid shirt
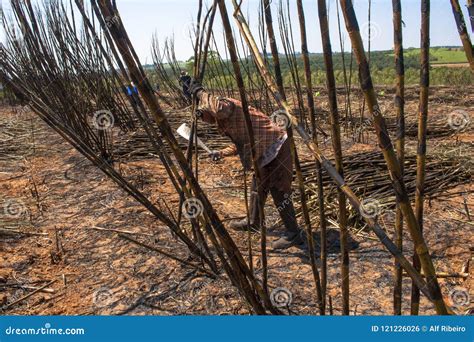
228,115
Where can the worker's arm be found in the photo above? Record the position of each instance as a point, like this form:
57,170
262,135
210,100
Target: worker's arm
230,150
211,109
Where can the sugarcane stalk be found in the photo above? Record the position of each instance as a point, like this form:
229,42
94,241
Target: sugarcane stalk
470,10
199,74
399,143
286,34
306,63
202,70
247,214
390,157
463,34
347,109
336,144
273,47
325,163
248,123
307,220
321,282
290,56
323,232
422,127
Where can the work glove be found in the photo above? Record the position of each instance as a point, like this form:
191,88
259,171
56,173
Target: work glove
215,156
190,87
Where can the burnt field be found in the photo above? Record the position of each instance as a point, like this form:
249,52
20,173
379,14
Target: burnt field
121,187
72,242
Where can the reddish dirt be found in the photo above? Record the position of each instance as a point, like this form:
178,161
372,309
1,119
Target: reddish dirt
59,214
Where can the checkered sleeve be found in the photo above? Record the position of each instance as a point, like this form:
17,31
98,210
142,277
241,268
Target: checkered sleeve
230,150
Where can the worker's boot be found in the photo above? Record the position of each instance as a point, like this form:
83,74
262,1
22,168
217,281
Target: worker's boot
288,240
244,223
293,235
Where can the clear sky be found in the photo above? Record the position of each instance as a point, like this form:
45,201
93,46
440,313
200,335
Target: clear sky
166,18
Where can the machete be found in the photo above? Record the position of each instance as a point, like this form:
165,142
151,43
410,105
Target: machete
185,131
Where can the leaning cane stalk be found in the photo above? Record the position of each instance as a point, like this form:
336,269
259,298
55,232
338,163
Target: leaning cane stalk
173,168
199,69
422,127
307,220
248,123
45,113
463,34
470,10
286,34
247,214
390,157
319,281
273,46
336,143
325,163
399,143
243,279
323,227
63,124
202,69
347,109
306,63
291,59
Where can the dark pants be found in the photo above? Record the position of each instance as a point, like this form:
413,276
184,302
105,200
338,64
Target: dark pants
277,177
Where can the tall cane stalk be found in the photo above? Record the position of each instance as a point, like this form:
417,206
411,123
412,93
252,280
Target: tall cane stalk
399,143
312,113
463,34
422,127
336,145
248,123
390,157
273,47
470,11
